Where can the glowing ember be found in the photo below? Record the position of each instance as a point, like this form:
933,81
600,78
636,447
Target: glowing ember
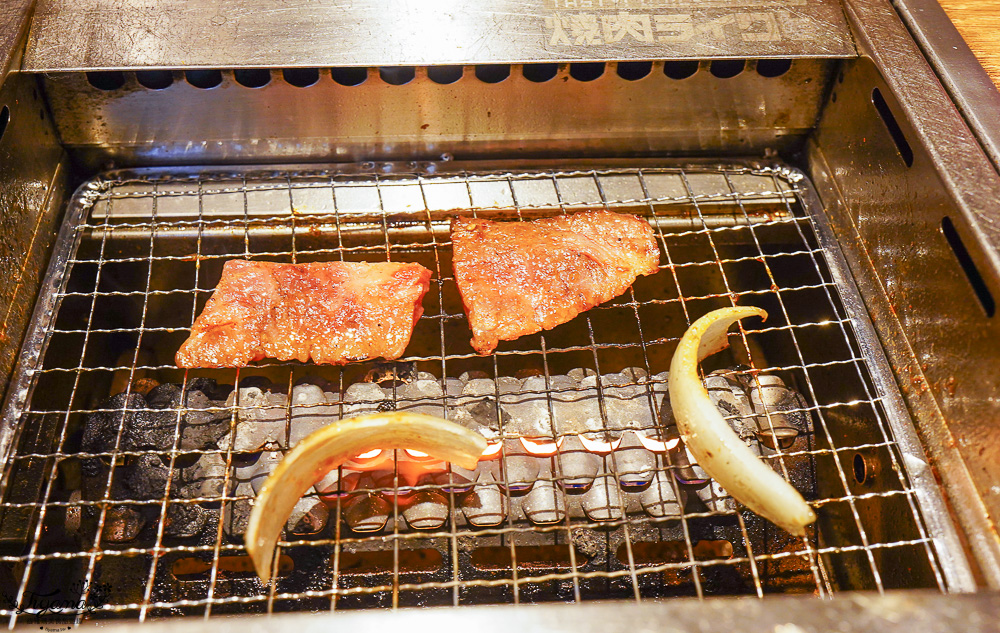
492,449
657,446
541,448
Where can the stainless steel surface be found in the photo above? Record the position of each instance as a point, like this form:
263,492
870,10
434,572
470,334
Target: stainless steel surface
109,34
905,612
963,76
123,304
422,119
889,217
14,20
32,190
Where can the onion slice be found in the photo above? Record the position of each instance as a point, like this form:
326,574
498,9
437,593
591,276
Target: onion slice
723,455
328,447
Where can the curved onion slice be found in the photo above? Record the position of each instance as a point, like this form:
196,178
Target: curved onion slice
328,447
723,455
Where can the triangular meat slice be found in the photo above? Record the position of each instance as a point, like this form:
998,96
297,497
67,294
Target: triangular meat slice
330,312
518,278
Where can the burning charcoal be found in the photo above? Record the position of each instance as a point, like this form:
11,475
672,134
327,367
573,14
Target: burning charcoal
122,524
329,485
100,430
627,404
310,411
715,498
660,499
781,415
528,408
204,478
259,471
480,415
457,479
421,396
428,510
362,398
237,512
486,505
521,468
577,466
576,406
729,398
367,512
184,520
544,504
453,387
260,418
309,516
603,501
632,463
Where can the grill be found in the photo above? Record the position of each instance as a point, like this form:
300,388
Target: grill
142,251
822,160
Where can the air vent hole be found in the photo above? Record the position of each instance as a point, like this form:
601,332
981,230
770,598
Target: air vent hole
300,77
397,75
349,76
773,67
252,77
107,79
726,68
4,120
154,79
444,74
586,71
633,71
492,73
896,132
969,267
204,79
680,69
540,73
860,468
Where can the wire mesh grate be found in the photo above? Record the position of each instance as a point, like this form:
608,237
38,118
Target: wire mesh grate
144,254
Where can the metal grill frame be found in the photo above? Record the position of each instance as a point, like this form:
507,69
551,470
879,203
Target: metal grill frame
802,211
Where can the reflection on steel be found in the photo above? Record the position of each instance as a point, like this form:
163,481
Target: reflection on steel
103,34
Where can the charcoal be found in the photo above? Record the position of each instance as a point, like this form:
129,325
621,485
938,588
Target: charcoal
577,466
428,510
603,501
164,396
632,463
486,505
544,504
204,423
184,520
660,499
101,428
146,477
122,524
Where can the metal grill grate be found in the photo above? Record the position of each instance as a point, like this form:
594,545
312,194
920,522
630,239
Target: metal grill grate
142,251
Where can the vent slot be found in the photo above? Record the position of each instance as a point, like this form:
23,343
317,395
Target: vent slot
397,75
300,77
106,80
4,120
586,71
680,70
204,79
969,267
905,151
492,73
